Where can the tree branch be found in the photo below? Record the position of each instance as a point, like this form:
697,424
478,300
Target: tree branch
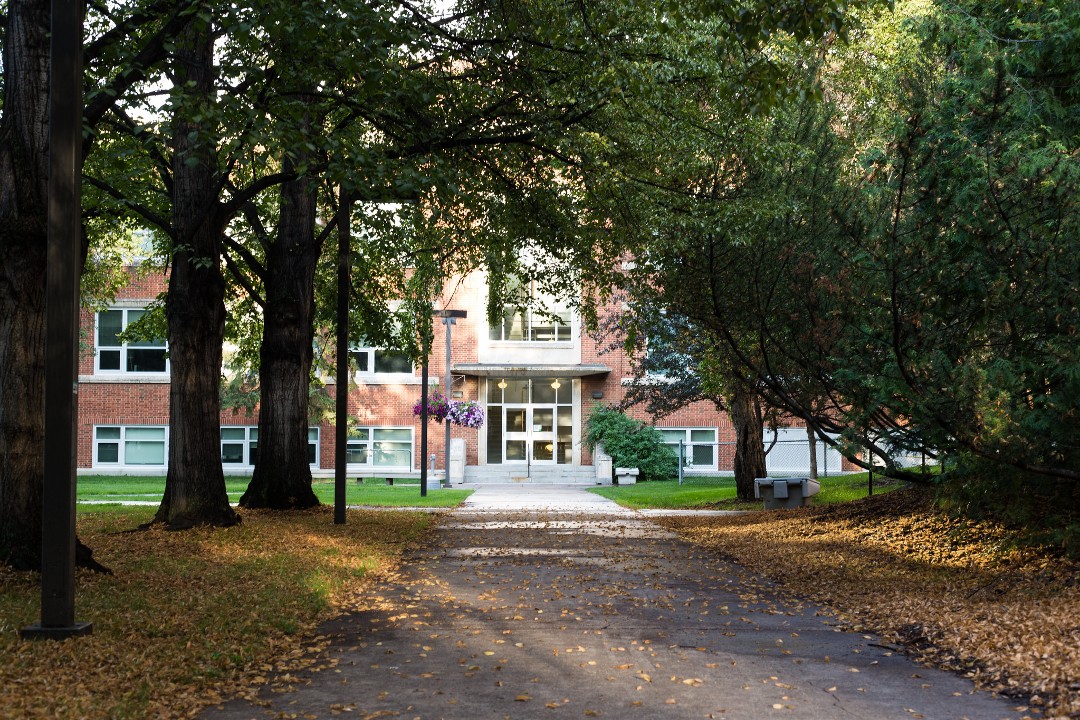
237,273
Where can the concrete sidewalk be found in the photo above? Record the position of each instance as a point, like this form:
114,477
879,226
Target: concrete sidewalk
550,602
556,499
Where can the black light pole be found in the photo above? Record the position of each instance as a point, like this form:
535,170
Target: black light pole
61,328
449,319
341,429
423,426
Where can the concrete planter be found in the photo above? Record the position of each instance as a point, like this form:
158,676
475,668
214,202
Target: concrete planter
781,493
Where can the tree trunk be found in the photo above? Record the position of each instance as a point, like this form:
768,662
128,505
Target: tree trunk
811,442
749,440
24,164
195,306
24,178
282,477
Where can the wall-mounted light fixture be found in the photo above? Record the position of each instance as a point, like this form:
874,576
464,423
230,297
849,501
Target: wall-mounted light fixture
597,394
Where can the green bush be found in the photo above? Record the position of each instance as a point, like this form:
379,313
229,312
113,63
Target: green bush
1045,510
630,443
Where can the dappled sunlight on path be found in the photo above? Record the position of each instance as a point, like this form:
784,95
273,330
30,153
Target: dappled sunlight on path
579,608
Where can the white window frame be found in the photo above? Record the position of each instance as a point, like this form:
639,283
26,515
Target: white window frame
689,444
534,316
122,442
370,354
123,348
251,442
370,443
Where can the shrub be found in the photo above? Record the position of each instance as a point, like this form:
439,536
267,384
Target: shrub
1045,510
630,443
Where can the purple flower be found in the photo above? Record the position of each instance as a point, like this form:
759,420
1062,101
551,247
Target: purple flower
466,413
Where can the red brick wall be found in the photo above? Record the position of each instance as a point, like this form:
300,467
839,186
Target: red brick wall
120,402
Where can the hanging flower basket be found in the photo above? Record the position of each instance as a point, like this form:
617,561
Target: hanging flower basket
466,413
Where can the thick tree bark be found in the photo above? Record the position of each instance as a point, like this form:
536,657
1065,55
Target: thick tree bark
24,164
24,176
749,440
195,307
282,477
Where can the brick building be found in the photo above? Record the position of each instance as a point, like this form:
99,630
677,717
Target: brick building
536,376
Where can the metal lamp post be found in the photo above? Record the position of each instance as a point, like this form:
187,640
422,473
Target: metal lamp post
61,328
341,401
449,319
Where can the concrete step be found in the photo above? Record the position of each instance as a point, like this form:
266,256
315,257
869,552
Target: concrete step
534,474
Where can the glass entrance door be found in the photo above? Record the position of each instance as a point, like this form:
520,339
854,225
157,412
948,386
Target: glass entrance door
530,420
529,435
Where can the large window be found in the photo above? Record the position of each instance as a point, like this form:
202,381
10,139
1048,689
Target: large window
240,446
129,445
534,317
664,358
376,361
699,445
380,447
137,356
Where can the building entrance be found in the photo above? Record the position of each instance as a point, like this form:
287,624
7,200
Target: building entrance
530,421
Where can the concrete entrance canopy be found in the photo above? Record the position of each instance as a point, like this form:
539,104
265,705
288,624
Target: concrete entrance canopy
513,370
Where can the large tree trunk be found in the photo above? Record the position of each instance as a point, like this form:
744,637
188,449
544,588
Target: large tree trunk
749,440
24,177
282,477
195,307
24,164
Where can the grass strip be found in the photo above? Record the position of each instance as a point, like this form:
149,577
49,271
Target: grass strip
718,493
92,490
189,618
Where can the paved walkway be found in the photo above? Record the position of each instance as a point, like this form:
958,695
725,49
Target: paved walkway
550,602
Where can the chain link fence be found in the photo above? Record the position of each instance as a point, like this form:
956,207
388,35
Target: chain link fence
783,457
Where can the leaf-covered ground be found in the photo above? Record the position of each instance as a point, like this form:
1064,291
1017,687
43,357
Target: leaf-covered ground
954,593
190,617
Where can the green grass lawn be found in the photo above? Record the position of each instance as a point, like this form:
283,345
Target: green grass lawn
718,493
100,492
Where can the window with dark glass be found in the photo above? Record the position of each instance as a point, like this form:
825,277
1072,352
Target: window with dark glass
134,356
378,361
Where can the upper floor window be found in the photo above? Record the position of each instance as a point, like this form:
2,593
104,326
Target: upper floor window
535,317
665,355
377,361
136,356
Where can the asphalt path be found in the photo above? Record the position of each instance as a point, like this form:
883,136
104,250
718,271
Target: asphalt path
550,602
